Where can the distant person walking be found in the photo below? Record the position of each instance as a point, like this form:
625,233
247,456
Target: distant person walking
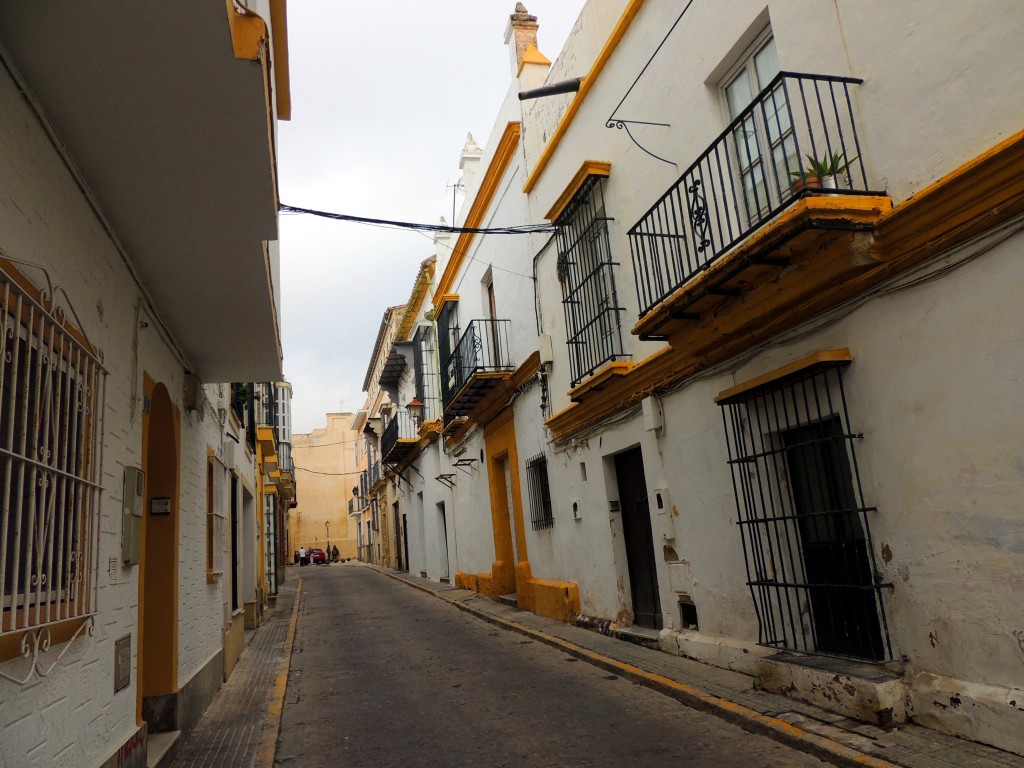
302,556
334,554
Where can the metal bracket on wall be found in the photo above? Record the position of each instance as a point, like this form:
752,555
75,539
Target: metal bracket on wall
447,479
461,464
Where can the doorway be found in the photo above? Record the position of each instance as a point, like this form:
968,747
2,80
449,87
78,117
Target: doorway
396,517
405,542
442,536
158,572
636,529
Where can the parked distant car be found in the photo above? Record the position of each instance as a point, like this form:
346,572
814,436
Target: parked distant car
317,556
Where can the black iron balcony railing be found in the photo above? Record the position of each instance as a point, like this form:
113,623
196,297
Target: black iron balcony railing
374,472
797,137
402,427
482,348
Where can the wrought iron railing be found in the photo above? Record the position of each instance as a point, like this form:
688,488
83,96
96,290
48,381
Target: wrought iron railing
402,426
52,394
482,347
798,137
374,472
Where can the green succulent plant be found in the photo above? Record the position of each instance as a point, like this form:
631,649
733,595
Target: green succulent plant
830,165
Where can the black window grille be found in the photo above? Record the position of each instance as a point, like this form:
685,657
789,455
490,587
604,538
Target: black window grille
803,521
588,282
541,515
447,329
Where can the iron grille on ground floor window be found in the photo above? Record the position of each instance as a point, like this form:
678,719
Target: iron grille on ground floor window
588,283
541,515
51,401
803,520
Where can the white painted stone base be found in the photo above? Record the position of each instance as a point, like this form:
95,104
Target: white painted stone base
725,652
873,695
991,714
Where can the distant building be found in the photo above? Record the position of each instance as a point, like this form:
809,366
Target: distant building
327,462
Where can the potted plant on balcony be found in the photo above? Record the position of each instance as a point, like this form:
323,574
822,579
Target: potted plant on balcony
820,173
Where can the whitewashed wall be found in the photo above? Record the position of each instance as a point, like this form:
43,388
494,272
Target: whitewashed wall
72,717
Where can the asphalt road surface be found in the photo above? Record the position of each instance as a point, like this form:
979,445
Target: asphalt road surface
385,675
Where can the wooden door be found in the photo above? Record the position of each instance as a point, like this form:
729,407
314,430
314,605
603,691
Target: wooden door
636,528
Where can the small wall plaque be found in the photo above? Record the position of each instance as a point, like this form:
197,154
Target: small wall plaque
122,663
161,506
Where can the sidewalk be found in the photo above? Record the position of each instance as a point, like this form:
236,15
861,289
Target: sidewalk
239,729
834,738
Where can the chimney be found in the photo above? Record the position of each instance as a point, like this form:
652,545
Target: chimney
522,31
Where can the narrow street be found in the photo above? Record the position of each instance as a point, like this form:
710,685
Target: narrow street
385,675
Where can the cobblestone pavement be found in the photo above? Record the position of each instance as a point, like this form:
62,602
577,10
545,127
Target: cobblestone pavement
241,722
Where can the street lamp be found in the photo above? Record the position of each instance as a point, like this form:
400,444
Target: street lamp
328,524
415,410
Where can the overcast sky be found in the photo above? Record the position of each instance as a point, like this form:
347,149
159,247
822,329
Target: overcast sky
383,95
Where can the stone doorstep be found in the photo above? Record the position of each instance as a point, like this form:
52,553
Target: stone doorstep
510,599
872,693
159,745
648,638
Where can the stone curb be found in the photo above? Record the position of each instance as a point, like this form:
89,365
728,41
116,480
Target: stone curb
267,751
746,718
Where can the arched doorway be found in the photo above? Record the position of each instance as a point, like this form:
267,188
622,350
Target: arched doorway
158,573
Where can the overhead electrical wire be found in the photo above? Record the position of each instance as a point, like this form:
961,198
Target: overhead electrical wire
525,229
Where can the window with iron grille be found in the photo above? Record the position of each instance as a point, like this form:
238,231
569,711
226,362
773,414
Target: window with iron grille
803,520
215,516
541,515
51,400
588,283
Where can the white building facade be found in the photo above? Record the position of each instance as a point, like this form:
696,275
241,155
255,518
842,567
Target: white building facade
137,265
756,393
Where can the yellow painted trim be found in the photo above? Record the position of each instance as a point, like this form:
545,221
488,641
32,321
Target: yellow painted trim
275,707
587,169
588,82
415,303
440,300
282,80
983,192
600,379
532,55
511,567
489,186
248,30
165,644
818,358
